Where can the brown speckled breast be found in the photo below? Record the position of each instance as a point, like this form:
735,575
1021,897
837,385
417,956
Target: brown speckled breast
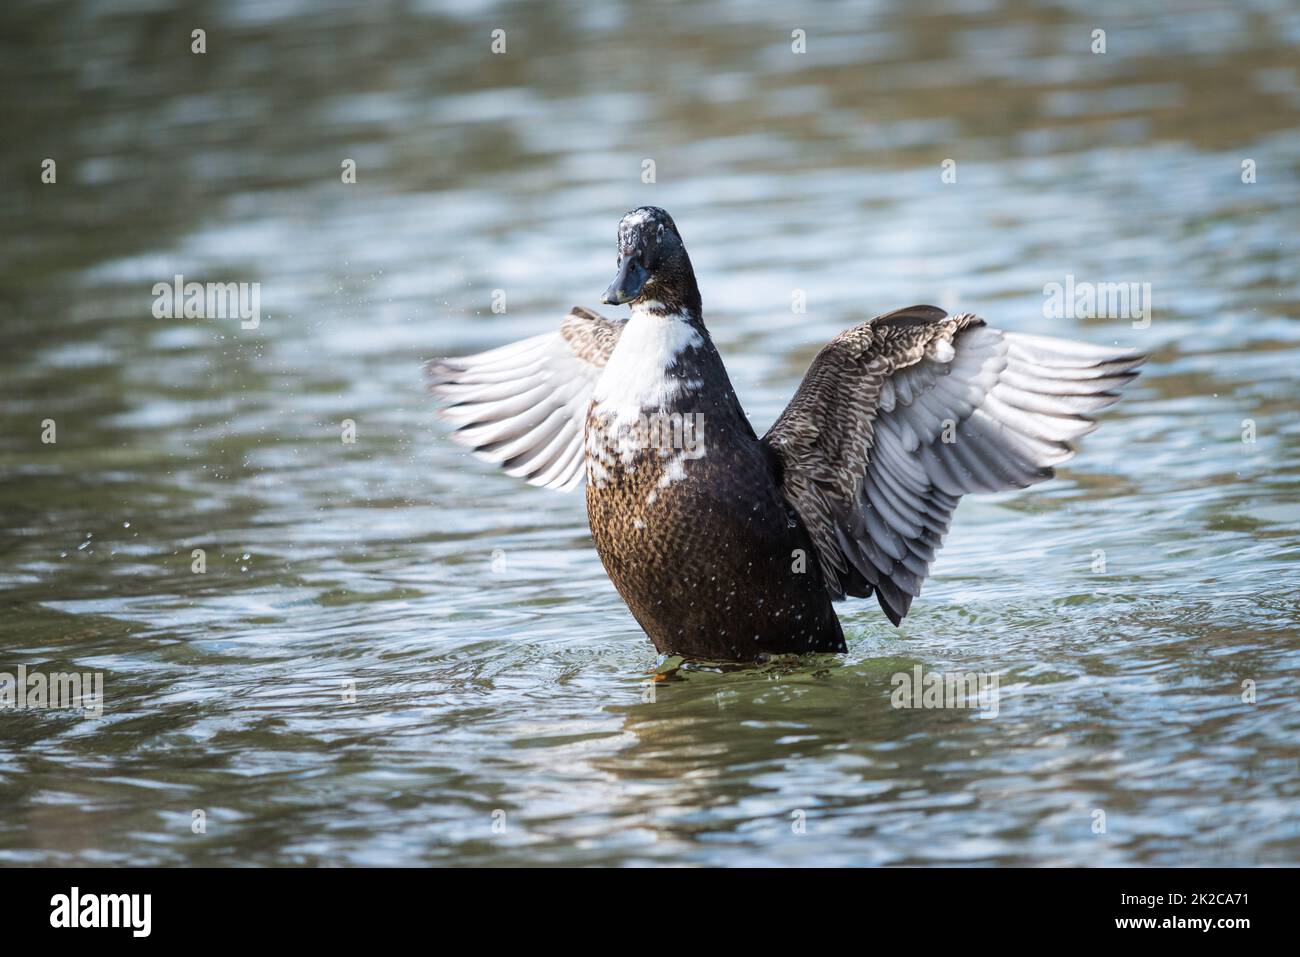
709,557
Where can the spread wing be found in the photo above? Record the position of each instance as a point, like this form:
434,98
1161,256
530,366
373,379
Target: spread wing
524,406
898,418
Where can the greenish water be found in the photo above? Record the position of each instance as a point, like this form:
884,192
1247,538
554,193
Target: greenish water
495,668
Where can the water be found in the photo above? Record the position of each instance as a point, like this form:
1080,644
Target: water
494,667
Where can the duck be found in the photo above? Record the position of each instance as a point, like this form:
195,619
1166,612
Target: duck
727,546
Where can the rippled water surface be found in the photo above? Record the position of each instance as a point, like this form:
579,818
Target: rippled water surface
495,668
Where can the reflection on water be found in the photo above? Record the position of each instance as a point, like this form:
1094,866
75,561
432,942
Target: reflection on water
494,667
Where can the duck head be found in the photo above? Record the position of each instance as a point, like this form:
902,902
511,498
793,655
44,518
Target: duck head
653,268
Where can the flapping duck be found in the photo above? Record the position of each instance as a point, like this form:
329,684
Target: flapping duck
727,546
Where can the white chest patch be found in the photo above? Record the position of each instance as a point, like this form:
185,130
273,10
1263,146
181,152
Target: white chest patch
634,385
635,376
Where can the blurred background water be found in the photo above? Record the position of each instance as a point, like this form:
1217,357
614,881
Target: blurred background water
495,667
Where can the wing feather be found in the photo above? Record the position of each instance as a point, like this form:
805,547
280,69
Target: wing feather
523,406
901,416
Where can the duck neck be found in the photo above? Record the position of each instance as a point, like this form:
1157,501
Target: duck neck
675,294
659,311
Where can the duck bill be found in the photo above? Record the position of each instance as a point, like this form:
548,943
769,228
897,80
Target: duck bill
627,285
